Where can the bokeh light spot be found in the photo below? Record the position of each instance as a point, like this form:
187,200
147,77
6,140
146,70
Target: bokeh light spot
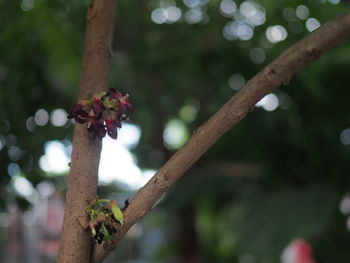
13,169
269,103
284,100
345,136
251,13
158,16
236,81
41,117
257,19
237,30
27,5
276,33
302,12
173,14
244,32
344,205
227,7
117,163
175,134
191,3
312,24
45,188
55,159
129,135
14,153
30,124
22,186
257,55
247,8
188,113
194,15
58,117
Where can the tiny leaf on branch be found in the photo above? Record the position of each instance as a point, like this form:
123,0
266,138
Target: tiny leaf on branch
117,213
103,113
104,218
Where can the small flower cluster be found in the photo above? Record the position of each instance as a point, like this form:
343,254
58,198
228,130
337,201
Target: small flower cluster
104,219
103,113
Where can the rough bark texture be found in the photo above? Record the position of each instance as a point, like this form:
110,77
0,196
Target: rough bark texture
280,70
75,244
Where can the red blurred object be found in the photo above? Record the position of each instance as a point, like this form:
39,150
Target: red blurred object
298,251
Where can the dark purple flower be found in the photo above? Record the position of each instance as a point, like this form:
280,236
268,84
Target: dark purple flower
97,128
112,91
97,106
103,113
111,126
123,100
78,113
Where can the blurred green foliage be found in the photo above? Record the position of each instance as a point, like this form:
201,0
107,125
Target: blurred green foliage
302,164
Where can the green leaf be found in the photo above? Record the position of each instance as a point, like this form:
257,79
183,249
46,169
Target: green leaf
106,235
118,214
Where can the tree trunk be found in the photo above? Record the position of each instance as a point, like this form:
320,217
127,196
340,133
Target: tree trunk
75,243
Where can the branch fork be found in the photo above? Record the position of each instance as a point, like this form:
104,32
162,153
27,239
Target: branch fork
75,246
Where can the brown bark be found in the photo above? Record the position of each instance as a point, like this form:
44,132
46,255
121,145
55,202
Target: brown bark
75,244
268,79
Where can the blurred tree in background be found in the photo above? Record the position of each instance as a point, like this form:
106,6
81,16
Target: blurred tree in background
280,174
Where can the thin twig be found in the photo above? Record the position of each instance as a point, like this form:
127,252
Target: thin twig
268,79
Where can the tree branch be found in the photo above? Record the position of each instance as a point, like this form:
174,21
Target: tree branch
75,243
268,79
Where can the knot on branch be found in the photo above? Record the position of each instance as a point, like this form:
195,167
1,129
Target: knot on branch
269,76
161,183
313,53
